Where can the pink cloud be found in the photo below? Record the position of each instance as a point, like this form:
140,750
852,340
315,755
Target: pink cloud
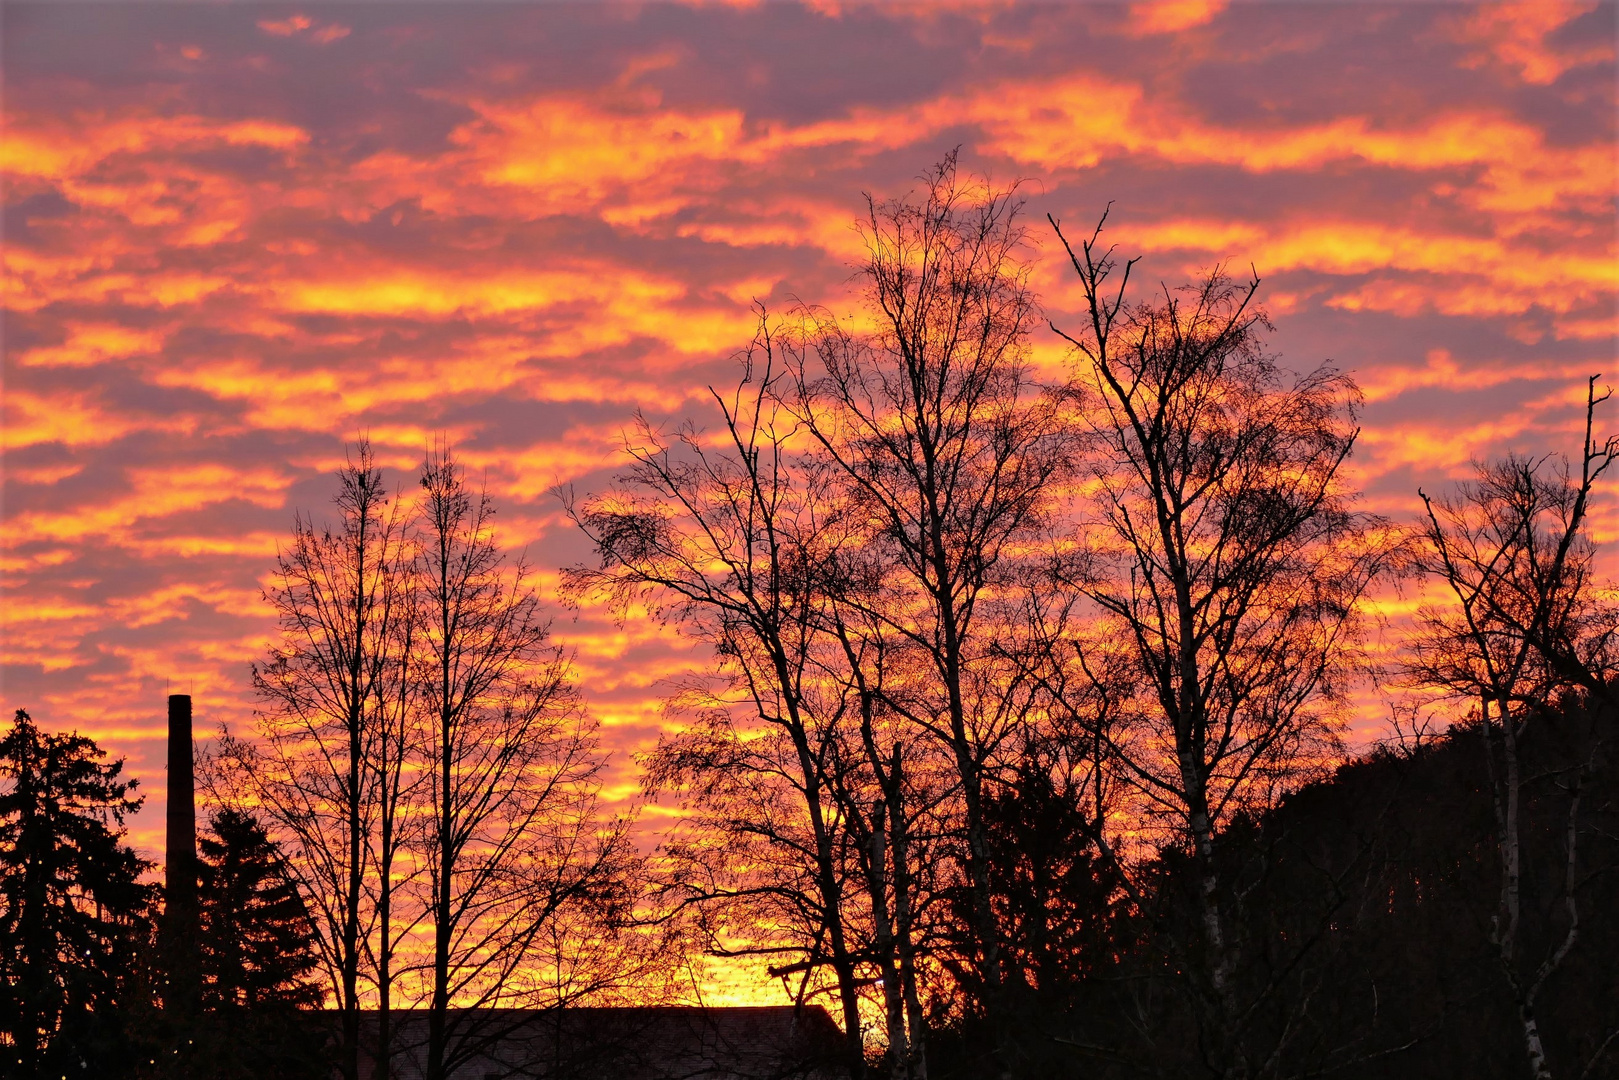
297,24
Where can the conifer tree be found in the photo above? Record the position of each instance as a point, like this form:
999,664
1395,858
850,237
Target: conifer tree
258,947
259,958
73,911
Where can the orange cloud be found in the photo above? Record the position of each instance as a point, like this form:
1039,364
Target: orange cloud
1472,275
1079,122
1169,16
55,150
1441,370
73,418
152,493
294,25
286,27
89,344
1515,35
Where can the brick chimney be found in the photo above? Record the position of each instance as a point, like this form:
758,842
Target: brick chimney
180,863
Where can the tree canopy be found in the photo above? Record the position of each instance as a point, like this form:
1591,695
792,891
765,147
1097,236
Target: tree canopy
75,916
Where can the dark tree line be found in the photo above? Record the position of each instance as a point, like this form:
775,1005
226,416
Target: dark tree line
1364,904
83,974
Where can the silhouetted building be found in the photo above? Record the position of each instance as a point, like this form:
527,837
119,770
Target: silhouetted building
646,1043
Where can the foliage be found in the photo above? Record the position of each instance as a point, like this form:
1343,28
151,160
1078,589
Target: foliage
257,942
76,917
1363,903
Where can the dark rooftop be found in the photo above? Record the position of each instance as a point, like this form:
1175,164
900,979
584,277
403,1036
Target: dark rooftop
777,1042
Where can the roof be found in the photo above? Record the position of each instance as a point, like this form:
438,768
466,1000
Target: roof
629,1043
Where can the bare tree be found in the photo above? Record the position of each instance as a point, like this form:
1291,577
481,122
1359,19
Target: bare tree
727,541
1224,558
1526,625
397,784
511,843
948,454
314,767
897,841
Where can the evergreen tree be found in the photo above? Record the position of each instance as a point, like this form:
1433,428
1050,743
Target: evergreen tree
258,951
74,915
257,941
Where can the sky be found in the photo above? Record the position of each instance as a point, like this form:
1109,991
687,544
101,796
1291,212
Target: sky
239,236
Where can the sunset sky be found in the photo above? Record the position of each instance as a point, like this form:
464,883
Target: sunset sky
238,236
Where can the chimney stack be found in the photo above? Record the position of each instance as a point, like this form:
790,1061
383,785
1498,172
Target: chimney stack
180,861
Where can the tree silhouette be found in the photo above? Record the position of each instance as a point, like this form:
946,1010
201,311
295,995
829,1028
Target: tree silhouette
1224,560
326,764
1526,626
75,914
950,454
258,943
257,954
513,846
727,540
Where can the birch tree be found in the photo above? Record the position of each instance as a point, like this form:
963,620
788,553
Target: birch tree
947,452
1224,557
1526,624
